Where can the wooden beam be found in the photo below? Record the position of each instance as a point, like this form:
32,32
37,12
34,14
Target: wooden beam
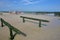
11,28
34,19
40,20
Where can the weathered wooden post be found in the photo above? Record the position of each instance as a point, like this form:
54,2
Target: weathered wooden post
39,23
1,23
57,14
11,34
23,20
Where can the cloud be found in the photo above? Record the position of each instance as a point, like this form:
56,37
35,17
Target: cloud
28,2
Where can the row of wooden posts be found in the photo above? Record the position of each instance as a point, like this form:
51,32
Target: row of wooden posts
11,28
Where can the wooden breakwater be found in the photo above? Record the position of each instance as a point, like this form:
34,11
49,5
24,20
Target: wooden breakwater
40,20
11,28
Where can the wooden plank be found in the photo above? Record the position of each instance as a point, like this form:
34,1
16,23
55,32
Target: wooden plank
13,28
34,19
40,20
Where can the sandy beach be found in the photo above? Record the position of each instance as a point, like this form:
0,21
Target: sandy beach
48,31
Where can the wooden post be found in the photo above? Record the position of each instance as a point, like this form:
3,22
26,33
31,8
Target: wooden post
39,23
11,34
1,23
23,20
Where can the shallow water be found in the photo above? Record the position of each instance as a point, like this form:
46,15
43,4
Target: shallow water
31,28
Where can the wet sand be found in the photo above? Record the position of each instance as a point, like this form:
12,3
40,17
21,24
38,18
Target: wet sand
48,31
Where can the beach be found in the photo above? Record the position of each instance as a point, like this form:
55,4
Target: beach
48,31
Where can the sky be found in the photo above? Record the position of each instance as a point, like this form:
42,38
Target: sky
30,5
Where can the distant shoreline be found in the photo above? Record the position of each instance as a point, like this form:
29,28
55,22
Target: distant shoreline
30,12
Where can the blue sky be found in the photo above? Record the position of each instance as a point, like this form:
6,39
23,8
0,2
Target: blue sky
30,5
